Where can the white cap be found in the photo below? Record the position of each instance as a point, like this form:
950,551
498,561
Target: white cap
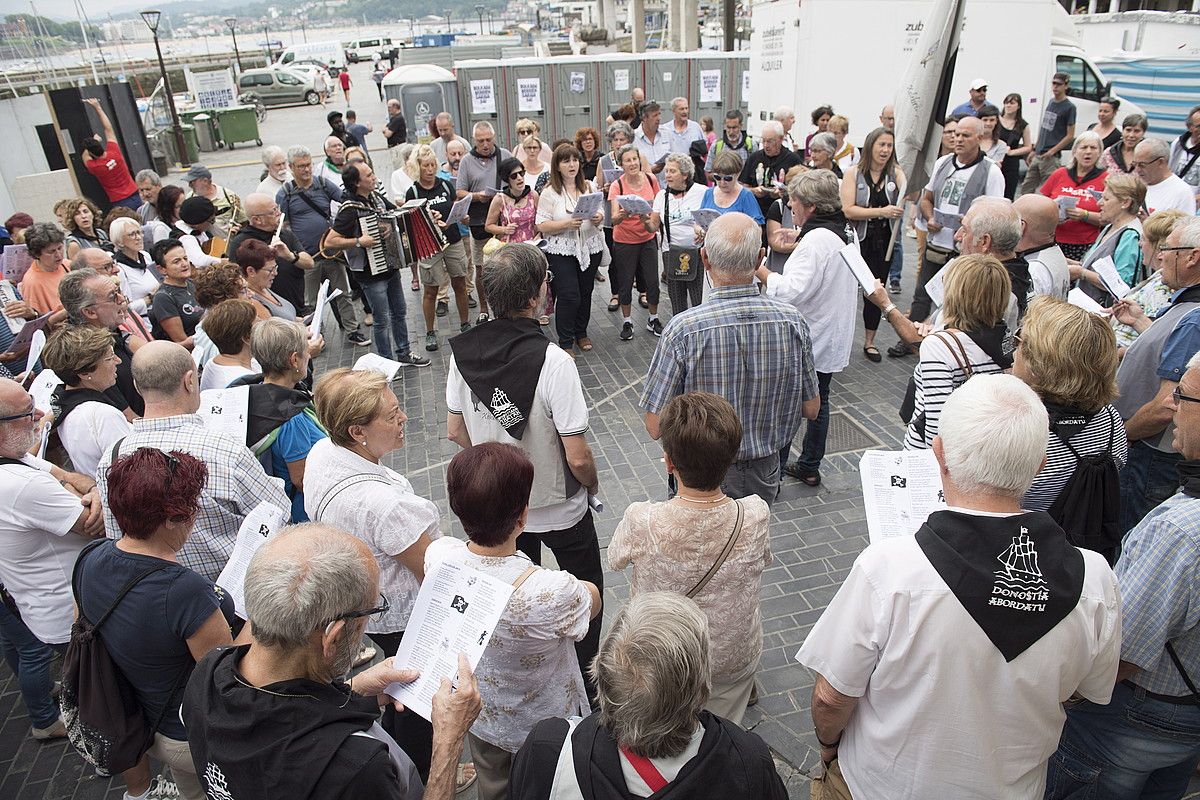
978,83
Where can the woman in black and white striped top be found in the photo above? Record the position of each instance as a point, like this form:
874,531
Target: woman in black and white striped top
1069,357
969,342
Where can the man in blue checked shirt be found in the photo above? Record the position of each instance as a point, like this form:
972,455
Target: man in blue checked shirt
753,351
1146,742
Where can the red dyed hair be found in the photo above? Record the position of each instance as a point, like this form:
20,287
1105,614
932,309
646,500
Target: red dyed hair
489,487
147,489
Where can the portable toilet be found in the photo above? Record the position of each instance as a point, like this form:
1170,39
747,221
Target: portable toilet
578,96
424,91
712,80
530,95
620,74
667,77
482,98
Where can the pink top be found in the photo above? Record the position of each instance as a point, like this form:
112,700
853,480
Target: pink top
523,216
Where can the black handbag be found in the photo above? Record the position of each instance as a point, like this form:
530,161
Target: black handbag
681,264
100,709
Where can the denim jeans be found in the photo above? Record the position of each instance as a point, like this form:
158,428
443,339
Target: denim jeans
29,660
1134,747
1148,478
816,430
387,304
897,256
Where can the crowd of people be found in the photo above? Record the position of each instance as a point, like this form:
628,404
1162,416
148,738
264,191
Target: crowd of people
1042,628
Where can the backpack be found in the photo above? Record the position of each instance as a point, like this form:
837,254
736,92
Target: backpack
1089,506
100,708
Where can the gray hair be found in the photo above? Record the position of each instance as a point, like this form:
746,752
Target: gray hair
993,432
819,188
620,126
996,217
732,246
654,674
1189,231
158,368
120,227
619,156
1155,147
650,106
273,342
484,126
41,235
772,126
683,163
148,175
1087,137
74,294
782,113
297,151
80,261
676,101
512,277
270,153
296,593
824,141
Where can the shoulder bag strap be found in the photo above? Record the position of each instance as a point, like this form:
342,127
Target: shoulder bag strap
524,576
666,217
645,769
733,537
308,201
341,487
134,581
957,350
1182,672
115,453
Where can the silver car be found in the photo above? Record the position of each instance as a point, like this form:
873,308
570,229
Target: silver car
276,87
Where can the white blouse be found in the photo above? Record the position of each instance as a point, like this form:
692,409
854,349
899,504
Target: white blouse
137,284
384,512
683,230
529,670
89,432
582,243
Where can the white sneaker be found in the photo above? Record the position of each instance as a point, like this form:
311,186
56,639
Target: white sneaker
55,730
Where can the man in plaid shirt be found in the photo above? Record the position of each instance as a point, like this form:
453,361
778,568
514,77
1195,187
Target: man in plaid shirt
166,377
753,351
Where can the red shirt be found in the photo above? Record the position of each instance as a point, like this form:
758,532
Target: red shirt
1061,183
113,173
344,79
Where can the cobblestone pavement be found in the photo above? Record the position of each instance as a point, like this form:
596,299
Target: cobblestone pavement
815,533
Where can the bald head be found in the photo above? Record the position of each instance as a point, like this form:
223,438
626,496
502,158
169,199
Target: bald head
733,247
638,95
165,373
93,258
887,118
259,203
966,139
1039,215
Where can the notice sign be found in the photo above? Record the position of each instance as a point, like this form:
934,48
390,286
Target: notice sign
483,97
710,86
529,94
214,89
745,85
577,82
621,80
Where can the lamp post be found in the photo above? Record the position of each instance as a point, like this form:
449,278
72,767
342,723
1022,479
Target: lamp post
231,23
479,11
267,43
152,18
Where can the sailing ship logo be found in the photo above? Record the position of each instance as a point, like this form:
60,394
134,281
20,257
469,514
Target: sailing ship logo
504,410
1020,573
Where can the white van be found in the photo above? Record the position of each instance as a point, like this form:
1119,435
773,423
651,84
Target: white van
328,53
852,55
365,49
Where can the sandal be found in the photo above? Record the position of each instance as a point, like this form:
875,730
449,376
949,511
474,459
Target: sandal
872,353
543,320
464,777
642,301
812,479
416,285
585,344
614,304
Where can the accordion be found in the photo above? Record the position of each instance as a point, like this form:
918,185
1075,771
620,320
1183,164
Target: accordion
420,236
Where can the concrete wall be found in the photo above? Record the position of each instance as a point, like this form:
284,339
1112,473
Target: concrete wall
22,152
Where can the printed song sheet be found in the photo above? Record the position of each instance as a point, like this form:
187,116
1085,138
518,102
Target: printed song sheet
704,216
1113,283
1079,298
900,490
458,211
226,411
853,259
1065,203
259,525
386,366
634,204
318,317
588,205
456,611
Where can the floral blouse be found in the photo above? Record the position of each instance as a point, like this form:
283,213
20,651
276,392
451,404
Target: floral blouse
1153,296
672,548
523,215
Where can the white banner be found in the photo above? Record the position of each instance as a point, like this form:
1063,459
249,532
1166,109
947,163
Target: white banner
483,97
621,80
577,82
710,86
529,94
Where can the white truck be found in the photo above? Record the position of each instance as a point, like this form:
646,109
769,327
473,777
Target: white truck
328,54
852,54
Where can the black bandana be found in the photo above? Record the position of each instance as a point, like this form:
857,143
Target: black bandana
1016,576
65,400
501,362
835,222
1067,421
991,342
1189,477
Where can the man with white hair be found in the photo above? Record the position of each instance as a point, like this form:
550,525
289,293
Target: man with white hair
968,637
683,131
279,717
149,183
335,160
1146,741
1048,272
1164,189
992,227
703,349
766,168
275,160
786,117
1151,370
479,176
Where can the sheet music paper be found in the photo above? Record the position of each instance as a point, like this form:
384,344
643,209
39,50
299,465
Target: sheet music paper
31,333
853,259
259,525
318,317
900,490
1079,298
936,287
458,211
950,222
611,175
43,388
634,204
705,216
378,363
1065,203
8,294
588,205
226,411
1113,283
456,611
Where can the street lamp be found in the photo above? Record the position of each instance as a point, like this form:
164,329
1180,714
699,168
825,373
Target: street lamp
151,18
267,43
231,23
479,11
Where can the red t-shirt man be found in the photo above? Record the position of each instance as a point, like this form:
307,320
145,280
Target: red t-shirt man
102,157
344,80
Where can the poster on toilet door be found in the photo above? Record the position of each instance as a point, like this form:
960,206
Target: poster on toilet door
483,97
529,94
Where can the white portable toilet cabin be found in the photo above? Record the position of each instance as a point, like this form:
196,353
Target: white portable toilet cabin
424,91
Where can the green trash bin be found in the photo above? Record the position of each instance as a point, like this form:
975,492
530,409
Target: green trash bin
208,138
238,124
189,141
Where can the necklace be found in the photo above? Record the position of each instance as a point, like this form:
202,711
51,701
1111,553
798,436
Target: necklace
237,677
720,499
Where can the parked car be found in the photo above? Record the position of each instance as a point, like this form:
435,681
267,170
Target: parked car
276,87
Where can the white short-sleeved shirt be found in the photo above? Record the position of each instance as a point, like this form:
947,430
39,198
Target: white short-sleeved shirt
940,712
384,512
1171,193
529,670
947,200
37,548
560,392
683,230
219,376
89,432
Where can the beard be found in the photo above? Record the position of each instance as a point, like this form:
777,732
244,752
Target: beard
19,441
344,652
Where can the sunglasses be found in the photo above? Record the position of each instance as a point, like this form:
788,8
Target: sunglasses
724,178
32,410
515,175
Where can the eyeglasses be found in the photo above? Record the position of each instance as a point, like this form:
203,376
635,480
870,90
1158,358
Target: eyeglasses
549,276
112,297
1176,249
376,612
1178,395
1139,164
32,410
724,178
172,463
137,234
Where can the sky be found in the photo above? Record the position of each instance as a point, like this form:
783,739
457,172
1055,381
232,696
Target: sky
63,10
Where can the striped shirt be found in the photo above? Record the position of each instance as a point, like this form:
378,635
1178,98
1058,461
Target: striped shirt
1103,428
753,351
236,485
1160,594
936,376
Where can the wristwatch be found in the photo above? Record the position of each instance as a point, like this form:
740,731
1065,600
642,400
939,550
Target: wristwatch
889,309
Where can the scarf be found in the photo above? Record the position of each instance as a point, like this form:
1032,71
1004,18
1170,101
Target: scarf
65,400
1189,477
1017,576
1095,172
835,222
501,362
515,198
1066,421
1118,156
991,341
679,192
269,407
1022,284
740,142
1191,150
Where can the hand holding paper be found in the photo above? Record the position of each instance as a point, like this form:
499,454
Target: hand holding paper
633,204
588,205
458,211
1113,283
705,216
853,259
